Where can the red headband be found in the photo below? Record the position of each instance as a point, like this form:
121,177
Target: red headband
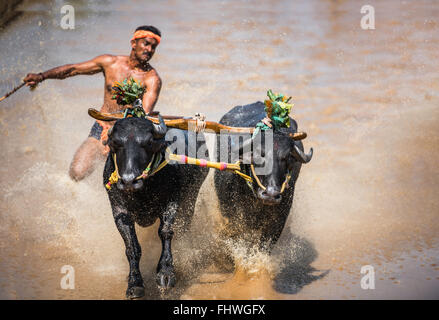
139,34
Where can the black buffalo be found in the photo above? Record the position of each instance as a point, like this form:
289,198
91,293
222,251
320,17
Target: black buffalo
168,195
256,215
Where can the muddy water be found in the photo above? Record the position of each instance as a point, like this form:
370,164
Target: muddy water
367,99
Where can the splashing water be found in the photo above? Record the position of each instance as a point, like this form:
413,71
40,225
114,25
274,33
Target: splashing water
367,100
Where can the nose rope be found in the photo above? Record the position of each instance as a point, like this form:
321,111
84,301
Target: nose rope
114,178
256,178
284,185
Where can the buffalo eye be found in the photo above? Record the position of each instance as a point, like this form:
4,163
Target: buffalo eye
287,159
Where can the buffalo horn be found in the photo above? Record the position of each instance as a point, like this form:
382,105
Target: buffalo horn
159,129
301,156
298,135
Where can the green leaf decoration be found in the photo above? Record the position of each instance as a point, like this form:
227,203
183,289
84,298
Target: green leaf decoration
127,91
278,109
137,112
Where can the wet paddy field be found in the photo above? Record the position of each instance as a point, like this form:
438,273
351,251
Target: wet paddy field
368,100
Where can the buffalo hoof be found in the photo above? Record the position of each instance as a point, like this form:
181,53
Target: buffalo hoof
166,279
135,292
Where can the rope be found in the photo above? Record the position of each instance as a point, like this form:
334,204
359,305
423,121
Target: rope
244,176
150,170
200,122
285,185
256,178
145,172
154,167
183,159
114,176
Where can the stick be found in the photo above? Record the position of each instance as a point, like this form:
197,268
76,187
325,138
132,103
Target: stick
13,91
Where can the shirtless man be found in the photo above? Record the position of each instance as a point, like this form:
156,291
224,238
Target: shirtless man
115,68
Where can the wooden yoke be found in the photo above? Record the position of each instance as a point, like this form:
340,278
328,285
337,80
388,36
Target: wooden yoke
185,123
172,122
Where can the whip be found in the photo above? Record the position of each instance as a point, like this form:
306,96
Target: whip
13,91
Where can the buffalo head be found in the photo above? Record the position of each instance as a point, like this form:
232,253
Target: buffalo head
282,159
134,141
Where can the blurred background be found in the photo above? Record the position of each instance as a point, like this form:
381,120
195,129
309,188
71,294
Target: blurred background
368,100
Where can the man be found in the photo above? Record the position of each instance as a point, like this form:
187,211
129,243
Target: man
115,68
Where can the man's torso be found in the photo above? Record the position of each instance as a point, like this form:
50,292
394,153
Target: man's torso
119,70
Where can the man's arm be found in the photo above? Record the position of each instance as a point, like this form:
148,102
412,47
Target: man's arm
88,67
153,86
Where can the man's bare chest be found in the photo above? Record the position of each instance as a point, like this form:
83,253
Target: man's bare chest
120,74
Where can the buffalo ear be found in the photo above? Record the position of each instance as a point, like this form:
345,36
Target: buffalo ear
109,131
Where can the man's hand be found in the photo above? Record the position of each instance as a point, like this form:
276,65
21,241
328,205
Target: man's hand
32,79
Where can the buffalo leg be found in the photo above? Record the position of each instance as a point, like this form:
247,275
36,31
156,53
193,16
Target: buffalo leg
271,233
165,267
125,225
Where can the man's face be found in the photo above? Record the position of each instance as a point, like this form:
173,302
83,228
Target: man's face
144,48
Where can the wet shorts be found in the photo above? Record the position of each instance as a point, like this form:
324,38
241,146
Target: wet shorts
96,131
99,131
